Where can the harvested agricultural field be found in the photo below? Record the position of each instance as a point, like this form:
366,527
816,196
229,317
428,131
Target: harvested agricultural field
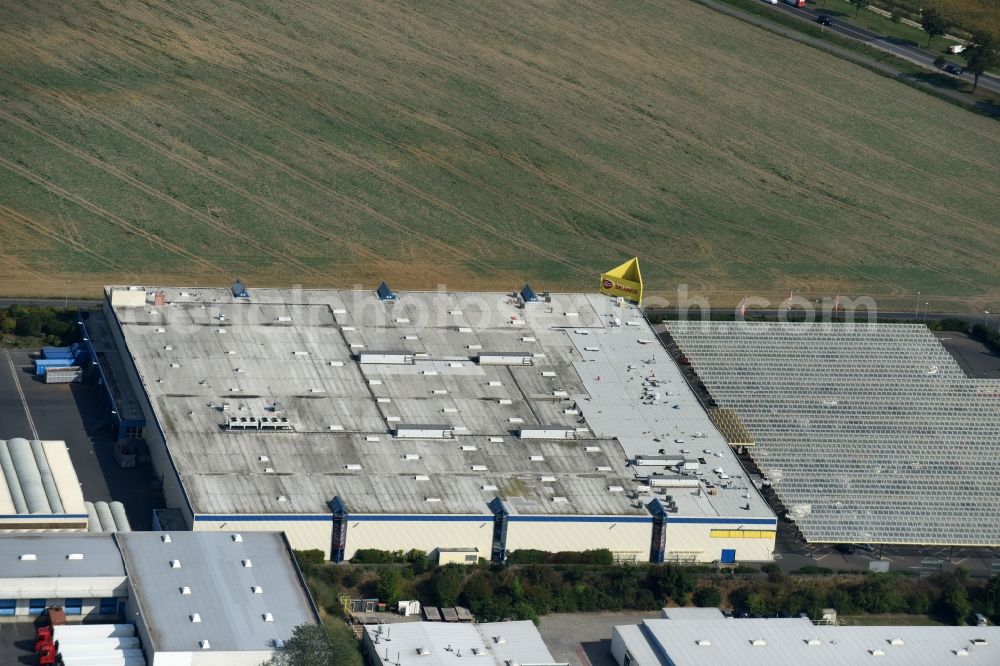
477,145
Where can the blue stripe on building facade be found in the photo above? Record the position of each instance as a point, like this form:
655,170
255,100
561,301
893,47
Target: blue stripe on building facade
481,518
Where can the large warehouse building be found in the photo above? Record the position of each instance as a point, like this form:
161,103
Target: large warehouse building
432,420
869,433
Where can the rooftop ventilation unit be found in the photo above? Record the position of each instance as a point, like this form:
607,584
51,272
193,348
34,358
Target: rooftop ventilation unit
257,589
247,564
203,644
28,557
195,617
813,641
267,617
895,641
703,642
758,642
423,651
165,538
185,590
876,652
75,556
175,564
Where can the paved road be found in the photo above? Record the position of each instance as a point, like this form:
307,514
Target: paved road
992,319
894,46
75,303
15,418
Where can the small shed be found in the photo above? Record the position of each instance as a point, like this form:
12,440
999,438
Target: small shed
384,293
239,290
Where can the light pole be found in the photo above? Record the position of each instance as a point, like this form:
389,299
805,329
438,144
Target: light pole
916,305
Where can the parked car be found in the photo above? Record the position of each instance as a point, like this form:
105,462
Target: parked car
952,68
846,548
955,49
823,19
981,620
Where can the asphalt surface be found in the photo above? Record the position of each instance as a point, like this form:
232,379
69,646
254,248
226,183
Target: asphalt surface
895,46
973,356
17,643
584,639
77,415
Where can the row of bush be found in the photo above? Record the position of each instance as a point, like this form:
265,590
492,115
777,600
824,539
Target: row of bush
527,591
37,325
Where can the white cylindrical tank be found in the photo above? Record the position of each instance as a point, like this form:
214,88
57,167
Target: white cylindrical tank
28,476
104,513
93,522
121,520
48,483
79,631
10,476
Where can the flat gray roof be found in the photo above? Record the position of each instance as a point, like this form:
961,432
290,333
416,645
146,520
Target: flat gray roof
205,356
101,557
869,433
796,641
221,589
483,644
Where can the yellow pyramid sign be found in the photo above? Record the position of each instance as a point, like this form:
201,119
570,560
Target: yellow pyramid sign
624,281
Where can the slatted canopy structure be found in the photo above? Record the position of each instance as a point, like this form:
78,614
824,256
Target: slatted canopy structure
867,432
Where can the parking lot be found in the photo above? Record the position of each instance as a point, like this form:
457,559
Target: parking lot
584,639
973,356
76,414
17,643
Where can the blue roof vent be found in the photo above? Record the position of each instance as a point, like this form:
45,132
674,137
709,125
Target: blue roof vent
239,291
384,293
528,294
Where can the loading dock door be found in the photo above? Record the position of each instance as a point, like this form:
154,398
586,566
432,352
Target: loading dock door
728,555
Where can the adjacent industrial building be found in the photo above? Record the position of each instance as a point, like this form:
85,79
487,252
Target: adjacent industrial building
709,639
868,433
195,598
39,489
440,644
472,422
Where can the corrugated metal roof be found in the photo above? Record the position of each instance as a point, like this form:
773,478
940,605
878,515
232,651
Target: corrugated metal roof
792,641
212,565
439,643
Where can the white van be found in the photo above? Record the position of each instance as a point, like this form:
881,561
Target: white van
981,620
955,49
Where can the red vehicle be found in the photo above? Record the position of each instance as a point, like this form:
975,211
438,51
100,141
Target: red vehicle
795,3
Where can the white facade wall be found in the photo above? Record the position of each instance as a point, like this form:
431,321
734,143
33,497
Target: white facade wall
427,535
558,534
211,658
301,534
51,587
685,540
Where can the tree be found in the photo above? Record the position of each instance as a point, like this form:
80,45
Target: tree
859,5
956,603
980,56
446,584
993,597
707,597
389,586
934,23
29,325
310,645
